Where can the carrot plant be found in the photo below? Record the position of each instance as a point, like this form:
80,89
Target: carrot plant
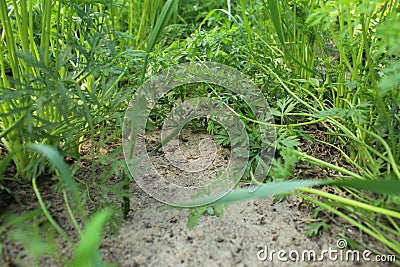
67,69
18,109
58,88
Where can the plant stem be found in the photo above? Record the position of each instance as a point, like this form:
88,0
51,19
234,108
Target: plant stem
47,213
382,239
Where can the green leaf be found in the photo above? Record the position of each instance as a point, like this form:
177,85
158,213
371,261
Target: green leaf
194,216
210,211
314,228
244,194
275,13
359,112
87,253
55,158
162,20
387,187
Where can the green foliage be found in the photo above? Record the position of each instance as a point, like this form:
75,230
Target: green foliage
165,15
87,253
39,239
57,92
315,228
67,69
194,216
39,244
196,213
282,167
41,236
62,86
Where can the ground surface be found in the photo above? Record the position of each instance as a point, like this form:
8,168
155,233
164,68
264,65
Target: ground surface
152,235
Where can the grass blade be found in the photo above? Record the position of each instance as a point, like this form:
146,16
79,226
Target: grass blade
87,253
391,187
165,15
266,190
55,158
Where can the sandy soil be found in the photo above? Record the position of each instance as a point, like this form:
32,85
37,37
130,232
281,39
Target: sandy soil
153,235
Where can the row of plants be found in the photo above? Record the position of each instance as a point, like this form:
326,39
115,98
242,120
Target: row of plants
356,94
70,68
